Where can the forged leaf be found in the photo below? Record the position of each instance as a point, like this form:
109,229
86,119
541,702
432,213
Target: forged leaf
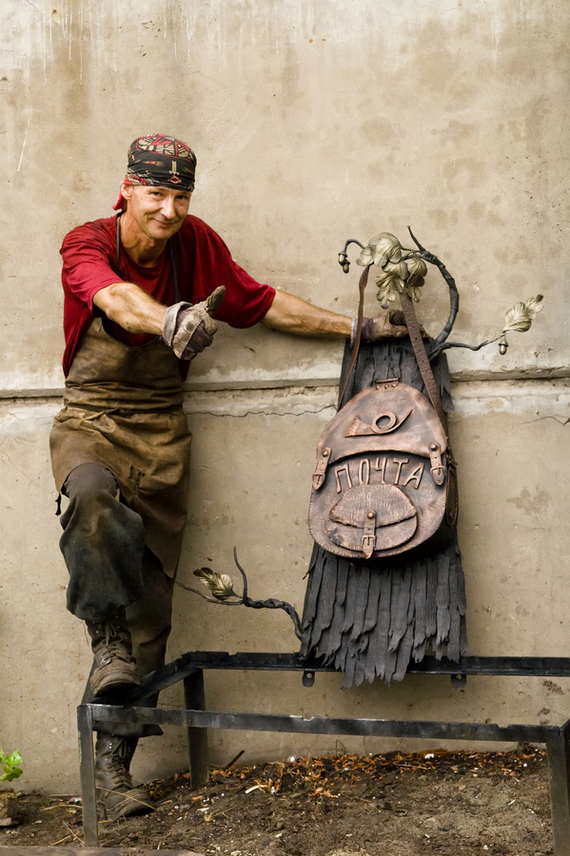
418,270
220,586
414,292
390,281
366,257
520,316
534,305
517,319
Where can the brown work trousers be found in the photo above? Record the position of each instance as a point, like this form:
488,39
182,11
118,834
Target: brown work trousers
120,453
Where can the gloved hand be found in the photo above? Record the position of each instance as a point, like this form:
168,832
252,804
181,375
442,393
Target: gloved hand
188,329
381,326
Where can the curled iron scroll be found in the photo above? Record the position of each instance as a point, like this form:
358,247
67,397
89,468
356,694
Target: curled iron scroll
453,293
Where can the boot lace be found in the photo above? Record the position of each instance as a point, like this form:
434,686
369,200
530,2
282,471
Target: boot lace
118,767
117,644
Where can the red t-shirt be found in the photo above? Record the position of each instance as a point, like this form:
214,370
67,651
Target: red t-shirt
202,262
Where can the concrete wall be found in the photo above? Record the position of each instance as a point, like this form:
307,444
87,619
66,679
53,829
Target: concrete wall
313,122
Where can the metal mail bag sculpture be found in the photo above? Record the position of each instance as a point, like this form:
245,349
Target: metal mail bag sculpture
385,480
385,583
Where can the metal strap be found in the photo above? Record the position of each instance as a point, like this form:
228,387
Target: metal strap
359,321
422,358
416,339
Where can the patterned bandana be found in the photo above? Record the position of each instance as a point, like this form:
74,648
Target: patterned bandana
159,161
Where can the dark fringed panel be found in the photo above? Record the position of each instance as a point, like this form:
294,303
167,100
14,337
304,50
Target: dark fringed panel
371,620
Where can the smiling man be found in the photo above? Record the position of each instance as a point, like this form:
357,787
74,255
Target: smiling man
143,294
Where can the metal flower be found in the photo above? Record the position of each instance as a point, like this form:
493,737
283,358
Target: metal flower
381,249
397,278
400,269
220,586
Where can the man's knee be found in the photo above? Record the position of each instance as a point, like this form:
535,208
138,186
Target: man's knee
95,503
102,544
96,521
89,480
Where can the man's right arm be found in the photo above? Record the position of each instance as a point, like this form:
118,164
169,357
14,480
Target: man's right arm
132,308
185,328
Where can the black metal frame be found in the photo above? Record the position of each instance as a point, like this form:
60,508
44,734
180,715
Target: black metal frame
190,669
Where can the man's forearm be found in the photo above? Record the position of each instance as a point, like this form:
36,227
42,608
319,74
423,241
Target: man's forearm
290,314
129,306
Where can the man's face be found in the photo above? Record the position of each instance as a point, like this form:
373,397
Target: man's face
158,212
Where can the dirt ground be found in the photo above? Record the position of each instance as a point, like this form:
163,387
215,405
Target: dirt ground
450,804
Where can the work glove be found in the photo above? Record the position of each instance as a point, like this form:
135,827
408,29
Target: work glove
381,326
188,329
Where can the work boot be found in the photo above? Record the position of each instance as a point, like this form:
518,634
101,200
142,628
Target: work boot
117,795
115,667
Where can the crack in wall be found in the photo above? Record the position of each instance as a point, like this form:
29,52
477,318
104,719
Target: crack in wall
308,411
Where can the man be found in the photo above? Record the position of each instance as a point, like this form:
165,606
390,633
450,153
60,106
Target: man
143,294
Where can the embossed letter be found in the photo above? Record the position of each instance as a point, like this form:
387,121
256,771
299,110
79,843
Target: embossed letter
337,472
415,475
380,465
364,471
400,462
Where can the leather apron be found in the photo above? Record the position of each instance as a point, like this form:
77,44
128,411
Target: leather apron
123,409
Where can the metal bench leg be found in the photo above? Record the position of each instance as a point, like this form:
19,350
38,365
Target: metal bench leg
558,748
87,776
195,699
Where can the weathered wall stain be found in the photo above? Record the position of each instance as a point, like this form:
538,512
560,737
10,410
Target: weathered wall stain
533,505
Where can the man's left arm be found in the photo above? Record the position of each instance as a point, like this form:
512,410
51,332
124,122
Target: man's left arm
290,314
